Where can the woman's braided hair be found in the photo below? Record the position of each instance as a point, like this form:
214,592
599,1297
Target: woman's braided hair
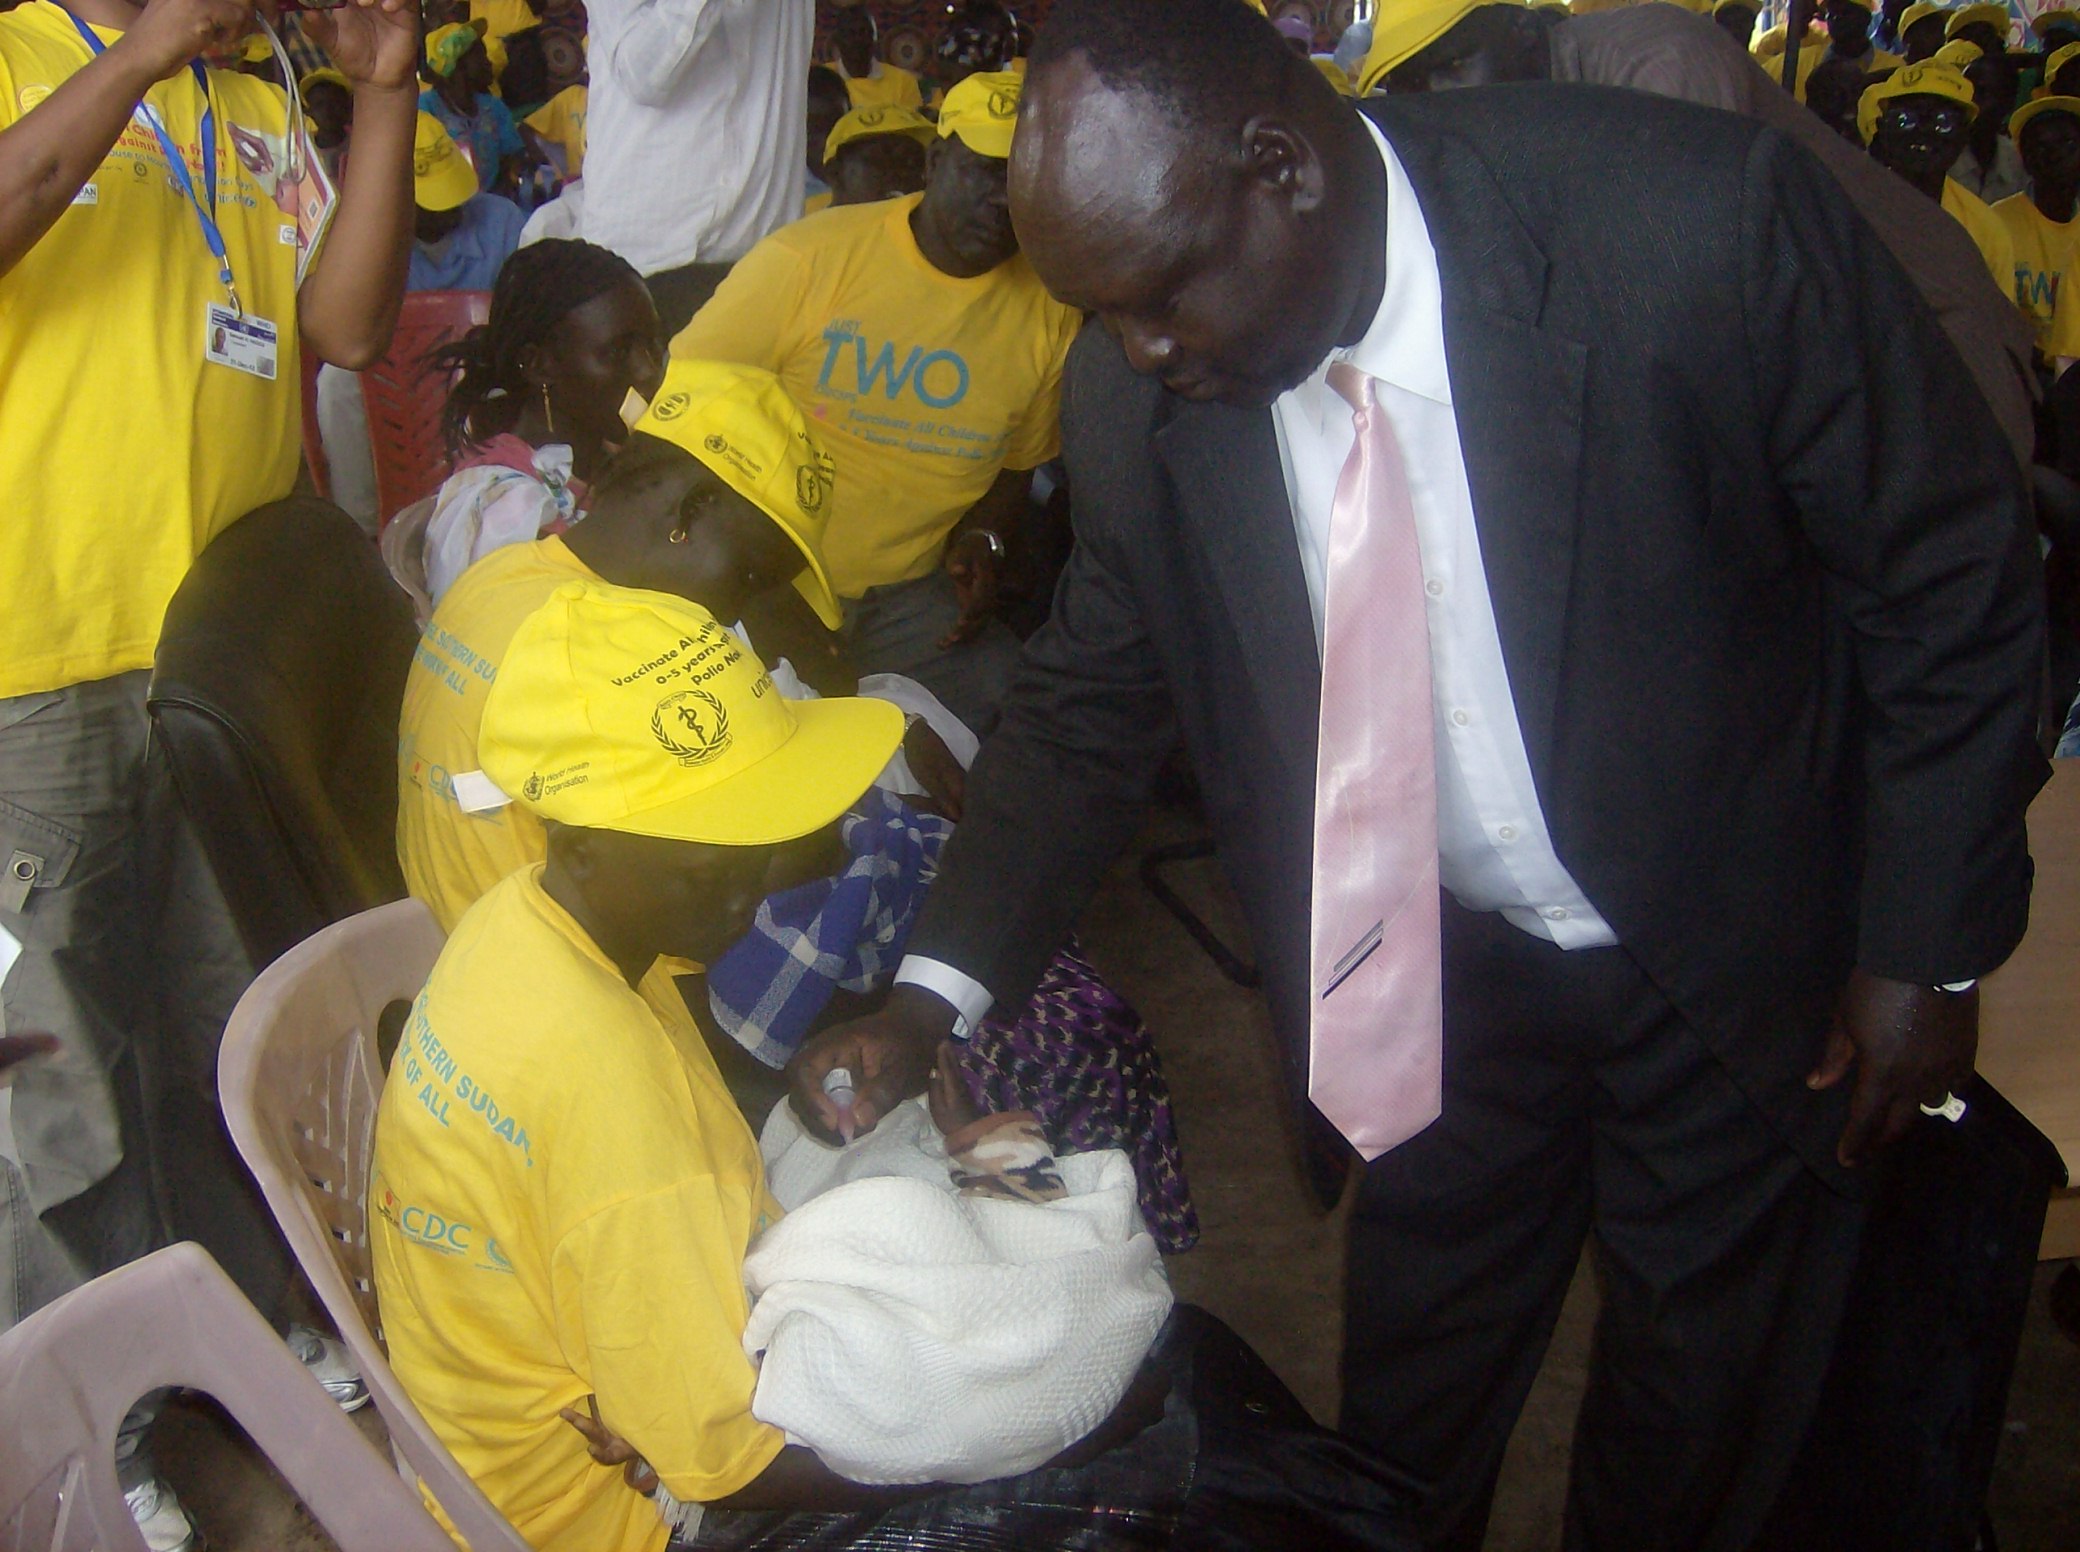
538,287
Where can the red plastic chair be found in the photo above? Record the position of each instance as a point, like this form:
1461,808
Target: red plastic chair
404,397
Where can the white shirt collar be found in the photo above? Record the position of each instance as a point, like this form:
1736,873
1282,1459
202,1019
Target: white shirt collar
1405,343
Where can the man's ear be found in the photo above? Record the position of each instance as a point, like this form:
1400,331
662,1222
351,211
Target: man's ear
1280,157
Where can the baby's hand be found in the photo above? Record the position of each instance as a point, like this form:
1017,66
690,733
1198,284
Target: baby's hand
947,1092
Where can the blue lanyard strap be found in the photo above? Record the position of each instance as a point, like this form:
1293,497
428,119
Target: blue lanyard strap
212,234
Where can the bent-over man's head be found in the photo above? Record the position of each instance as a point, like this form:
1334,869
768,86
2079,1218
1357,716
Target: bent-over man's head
1183,175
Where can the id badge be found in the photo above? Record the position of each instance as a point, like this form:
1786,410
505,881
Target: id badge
248,345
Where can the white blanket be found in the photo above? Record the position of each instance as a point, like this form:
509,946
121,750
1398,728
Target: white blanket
907,1333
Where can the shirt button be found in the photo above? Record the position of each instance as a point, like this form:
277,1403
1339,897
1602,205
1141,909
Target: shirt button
1434,588
1506,833
1557,913
1460,719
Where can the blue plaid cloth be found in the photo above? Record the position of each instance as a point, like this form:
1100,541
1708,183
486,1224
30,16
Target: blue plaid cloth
846,931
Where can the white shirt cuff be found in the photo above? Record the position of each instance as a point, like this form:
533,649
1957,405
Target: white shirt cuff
969,998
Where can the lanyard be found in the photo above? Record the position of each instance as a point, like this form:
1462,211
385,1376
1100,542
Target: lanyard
205,213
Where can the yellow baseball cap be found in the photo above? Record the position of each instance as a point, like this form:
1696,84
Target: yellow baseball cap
1920,10
983,111
1927,79
1402,29
445,46
324,76
1996,16
1957,54
741,423
619,709
2059,18
2059,58
862,123
442,177
2037,109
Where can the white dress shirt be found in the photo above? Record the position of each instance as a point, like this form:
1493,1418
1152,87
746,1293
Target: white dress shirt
1494,851
698,126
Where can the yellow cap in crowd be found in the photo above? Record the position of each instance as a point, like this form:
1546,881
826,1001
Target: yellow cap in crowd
618,709
2038,109
1927,79
2058,59
1402,29
2050,19
1728,5
1957,54
445,46
324,76
983,111
1995,16
1920,10
741,423
886,119
442,177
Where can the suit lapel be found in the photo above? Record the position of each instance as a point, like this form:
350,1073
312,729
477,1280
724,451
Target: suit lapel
1232,499
1517,388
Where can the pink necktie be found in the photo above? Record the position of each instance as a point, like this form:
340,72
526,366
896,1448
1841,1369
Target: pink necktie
1376,1035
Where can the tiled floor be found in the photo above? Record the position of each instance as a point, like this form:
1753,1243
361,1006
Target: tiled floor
1270,1263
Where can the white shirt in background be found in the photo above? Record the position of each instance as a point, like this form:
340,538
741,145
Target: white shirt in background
697,127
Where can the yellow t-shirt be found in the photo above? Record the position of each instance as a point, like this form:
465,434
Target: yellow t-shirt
452,858
1988,232
125,449
561,121
563,1193
889,86
922,386
2044,255
503,18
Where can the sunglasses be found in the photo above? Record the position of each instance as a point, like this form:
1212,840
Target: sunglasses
1943,118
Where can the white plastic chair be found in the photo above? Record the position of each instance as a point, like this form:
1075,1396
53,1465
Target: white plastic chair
70,1371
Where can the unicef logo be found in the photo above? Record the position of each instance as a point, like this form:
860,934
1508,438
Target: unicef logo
692,726
671,406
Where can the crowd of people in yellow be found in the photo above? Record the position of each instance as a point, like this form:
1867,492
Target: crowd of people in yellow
756,455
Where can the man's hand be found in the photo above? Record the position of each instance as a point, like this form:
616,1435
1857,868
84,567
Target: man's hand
935,768
889,1055
372,42
609,1448
971,560
1910,1046
171,33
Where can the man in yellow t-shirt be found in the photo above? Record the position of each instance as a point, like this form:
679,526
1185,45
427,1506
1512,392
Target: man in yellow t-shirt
1914,122
722,494
872,82
561,123
2042,222
929,358
563,1189
151,401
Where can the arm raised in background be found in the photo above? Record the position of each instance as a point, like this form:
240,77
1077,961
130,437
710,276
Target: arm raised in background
348,304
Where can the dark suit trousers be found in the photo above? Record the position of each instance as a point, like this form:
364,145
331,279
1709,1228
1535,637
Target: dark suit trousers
1577,1102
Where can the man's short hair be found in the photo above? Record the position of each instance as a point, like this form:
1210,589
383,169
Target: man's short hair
1199,58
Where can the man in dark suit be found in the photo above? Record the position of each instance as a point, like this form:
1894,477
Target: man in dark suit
1728,634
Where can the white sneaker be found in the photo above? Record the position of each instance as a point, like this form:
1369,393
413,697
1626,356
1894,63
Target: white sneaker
331,1365
161,1520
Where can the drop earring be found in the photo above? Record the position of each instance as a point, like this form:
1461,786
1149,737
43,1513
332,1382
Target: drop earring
548,414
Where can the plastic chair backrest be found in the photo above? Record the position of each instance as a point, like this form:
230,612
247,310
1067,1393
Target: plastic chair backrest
299,1077
404,396
70,1371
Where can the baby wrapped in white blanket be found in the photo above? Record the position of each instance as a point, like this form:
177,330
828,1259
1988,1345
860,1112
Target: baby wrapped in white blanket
909,1330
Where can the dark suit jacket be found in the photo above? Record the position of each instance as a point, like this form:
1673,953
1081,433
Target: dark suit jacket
1761,564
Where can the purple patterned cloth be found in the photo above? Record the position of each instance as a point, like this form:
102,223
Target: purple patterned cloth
1079,1057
